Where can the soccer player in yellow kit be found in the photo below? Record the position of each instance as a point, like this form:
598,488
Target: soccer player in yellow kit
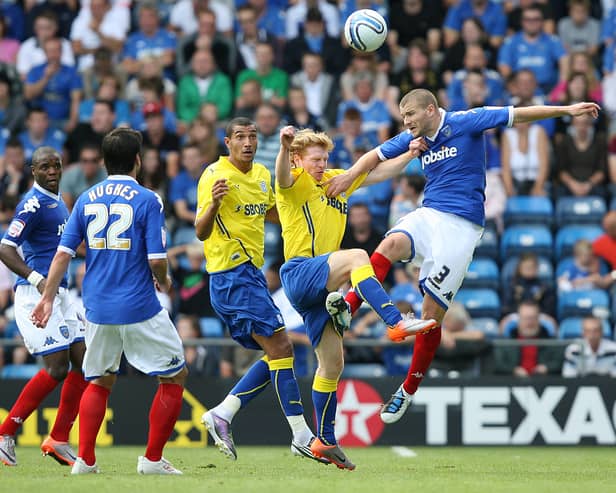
312,228
234,198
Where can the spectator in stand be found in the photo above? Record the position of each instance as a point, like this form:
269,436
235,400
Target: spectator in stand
249,99
611,166
361,64
202,133
319,87
55,87
8,46
608,28
515,9
529,359
185,13
86,173
475,60
248,35
297,113
489,12
314,39
578,31
527,286
65,11
581,160
533,49
374,114
150,41
38,134
199,359
151,85
15,177
460,347
268,123
205,84
472,33
579,62
407,198
108,90
31,52
524,91
585,271
101,123
100,25
360,232
350,138
270,16
12,109
183,188
594,356
158,137
525,159
302,12
102,67
274,82
206,38
412,19
152,173
416,75
605,246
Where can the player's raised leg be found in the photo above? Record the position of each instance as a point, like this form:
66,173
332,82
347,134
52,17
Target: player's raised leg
381,265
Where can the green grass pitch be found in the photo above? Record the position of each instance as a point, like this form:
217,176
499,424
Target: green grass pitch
379,470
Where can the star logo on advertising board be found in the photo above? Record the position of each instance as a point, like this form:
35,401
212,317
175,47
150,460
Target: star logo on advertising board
357,417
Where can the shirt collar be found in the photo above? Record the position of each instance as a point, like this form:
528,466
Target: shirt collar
46,192
121,177
440,125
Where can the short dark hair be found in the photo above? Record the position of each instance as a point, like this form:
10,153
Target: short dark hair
14,142
240,121
90,146
120,149
36,109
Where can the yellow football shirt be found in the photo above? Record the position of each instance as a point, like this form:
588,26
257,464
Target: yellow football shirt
239,230
312,223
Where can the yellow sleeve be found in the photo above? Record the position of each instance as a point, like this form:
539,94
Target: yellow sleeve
204,191
357,183
271,196
299,191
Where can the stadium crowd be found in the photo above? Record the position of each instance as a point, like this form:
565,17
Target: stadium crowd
177,71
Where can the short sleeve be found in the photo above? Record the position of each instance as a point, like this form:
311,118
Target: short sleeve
479,119
155,234
73,233
34,75
395,146
452,21
176,189
558,50
204,191
500,23
76,82
505,53
23,223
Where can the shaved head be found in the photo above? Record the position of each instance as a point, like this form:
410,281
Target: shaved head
422,98
42,153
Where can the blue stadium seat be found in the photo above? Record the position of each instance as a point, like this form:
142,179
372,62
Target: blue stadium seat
184,235
545,321
520,239
583,303
482,273
580,210
488,245
480,302
567,262
489,326
571,328
546,271
211,327
528,210
25,372
567,236
363,370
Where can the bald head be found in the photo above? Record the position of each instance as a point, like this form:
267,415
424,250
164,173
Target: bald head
43,154
420,98
420,112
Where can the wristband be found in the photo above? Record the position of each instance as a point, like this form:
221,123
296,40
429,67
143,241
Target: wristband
35,278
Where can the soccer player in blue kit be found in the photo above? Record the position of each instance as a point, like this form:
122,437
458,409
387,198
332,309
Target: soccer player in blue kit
123,226
36,228
441,236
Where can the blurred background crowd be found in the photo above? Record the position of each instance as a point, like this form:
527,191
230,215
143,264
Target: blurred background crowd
71,71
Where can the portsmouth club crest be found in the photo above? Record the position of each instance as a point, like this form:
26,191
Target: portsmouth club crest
263,186
446,131
64,331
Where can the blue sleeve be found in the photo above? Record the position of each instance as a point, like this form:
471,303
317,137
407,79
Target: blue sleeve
76,82
505,53
176,189
171,41
130,50
34,75
453,20
500,25
395,146
24,222
73,233
558,49
608,58
454,90
608,23
479,119
155,234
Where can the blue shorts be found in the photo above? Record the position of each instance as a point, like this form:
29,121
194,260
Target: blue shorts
304,280
241,299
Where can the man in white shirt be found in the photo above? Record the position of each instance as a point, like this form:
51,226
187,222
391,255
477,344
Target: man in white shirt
296,15
594,356
183,18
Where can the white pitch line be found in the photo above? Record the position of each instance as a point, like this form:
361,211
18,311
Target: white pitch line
404,452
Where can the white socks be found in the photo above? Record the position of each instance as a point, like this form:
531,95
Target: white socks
228,408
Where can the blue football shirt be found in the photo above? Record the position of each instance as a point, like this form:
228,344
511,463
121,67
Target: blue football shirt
124,226
37,226
53,138
455,163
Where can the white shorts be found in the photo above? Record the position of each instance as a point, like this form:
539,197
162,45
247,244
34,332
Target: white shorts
64,328
152,346
442,246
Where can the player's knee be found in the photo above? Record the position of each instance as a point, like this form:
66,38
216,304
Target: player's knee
395,247
359,257
332,367
284,349
58,371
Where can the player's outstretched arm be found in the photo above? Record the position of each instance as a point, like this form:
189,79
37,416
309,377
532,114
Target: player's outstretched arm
534,113
394,166
59,265
205,222
284,178
342,182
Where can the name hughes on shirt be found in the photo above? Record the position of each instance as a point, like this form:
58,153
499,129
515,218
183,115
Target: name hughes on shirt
125,191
